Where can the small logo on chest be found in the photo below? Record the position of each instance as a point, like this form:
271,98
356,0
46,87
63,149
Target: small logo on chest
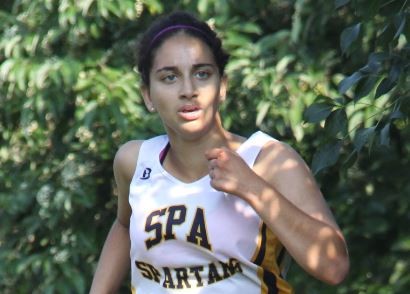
146,174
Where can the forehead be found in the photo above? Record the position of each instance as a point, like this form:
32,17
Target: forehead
182,50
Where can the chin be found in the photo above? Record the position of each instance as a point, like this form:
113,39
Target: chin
192,131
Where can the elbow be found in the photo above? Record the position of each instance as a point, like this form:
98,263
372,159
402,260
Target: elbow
338,271
338,263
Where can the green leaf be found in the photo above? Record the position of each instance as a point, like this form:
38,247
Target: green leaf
399,22
374,63
395,72
154,6
248,27
271,41
396,114
113,8
336,123
88,118
403,244
362,137
42,75
326,156
7,19
377,57
324,99
375,225
237,64
317,112
86,5
350,160
21,76
282,65
349,82
237,39
348,36
6,67
385,135
364,87
263,109
340,3
385,86
203,6
119,118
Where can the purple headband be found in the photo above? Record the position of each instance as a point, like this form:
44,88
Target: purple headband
175,27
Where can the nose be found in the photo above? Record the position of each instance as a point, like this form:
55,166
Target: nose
188,89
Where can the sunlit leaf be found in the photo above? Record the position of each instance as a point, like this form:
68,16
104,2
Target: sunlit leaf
86,5
248,27
154,6
12,46
5,68
263,109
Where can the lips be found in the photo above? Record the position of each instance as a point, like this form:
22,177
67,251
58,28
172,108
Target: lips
189,112
188,108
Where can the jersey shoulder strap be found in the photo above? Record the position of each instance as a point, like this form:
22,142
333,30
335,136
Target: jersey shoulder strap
250,149
149,152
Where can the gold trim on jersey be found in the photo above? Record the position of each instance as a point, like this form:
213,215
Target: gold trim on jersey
267,257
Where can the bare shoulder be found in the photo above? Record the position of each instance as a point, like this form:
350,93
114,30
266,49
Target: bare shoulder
282,167
125,162
126,158
277,156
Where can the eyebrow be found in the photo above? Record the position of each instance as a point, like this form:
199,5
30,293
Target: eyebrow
173,68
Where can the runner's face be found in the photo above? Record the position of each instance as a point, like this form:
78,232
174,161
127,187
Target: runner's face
185,85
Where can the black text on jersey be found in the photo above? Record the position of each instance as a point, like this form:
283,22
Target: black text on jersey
174,216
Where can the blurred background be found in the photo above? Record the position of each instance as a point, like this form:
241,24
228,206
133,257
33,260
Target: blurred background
330,78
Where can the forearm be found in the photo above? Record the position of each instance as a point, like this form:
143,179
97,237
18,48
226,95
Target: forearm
114,261
316,245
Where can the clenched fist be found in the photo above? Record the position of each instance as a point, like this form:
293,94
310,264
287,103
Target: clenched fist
229,173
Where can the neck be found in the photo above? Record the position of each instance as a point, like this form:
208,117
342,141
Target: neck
186,158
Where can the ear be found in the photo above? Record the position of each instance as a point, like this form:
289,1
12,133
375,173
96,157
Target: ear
147,98
223,88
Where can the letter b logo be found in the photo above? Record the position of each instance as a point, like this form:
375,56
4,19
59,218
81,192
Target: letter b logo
146,174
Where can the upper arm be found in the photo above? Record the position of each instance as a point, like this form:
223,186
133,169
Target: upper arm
125,162
285,170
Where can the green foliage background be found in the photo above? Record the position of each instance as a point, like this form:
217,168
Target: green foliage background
331,78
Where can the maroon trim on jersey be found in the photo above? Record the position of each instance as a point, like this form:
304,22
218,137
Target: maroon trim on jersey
164,153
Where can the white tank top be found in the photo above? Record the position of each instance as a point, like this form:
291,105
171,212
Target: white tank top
191,238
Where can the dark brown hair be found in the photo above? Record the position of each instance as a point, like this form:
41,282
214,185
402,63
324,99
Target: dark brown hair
167,26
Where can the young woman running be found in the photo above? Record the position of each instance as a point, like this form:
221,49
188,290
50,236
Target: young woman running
203,210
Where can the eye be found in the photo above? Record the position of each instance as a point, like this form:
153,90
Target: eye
202,74
169,78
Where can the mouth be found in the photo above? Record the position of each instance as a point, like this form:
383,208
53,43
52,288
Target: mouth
189,112
188,108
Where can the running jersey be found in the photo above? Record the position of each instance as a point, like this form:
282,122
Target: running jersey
191,238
